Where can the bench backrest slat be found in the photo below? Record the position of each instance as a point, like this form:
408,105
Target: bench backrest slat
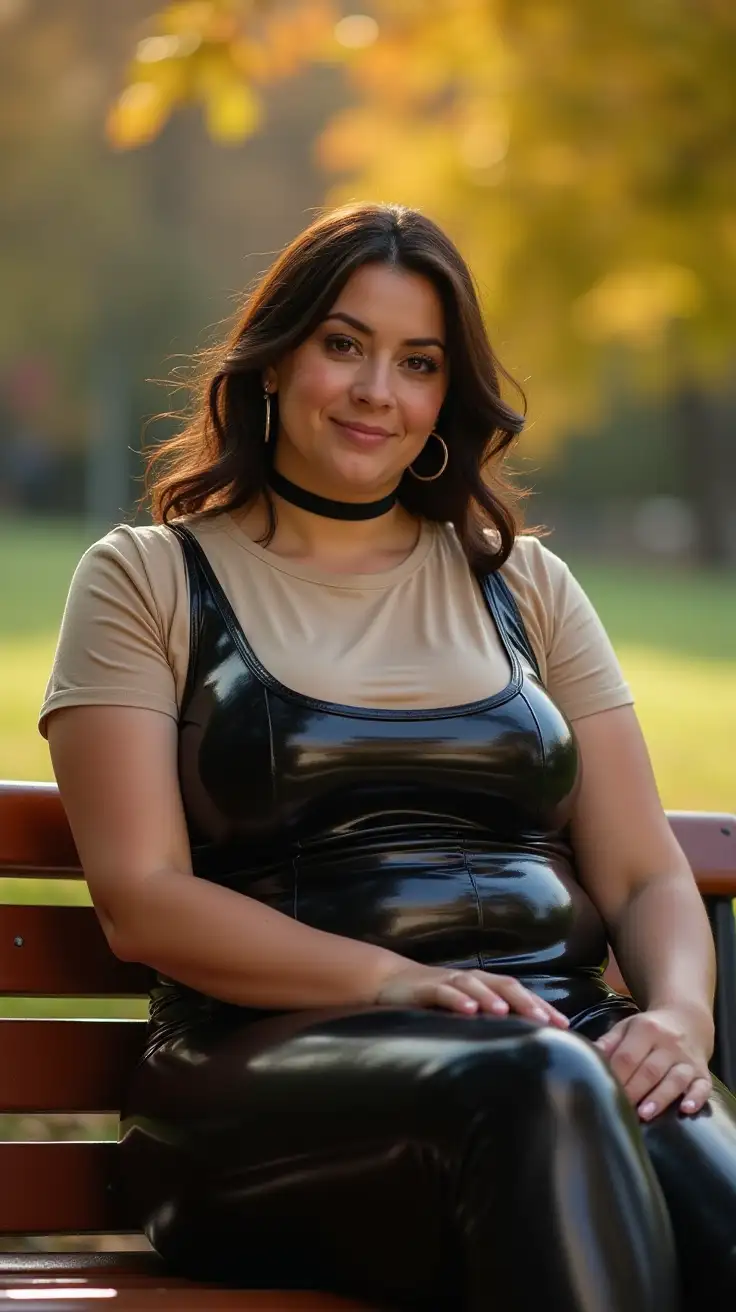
61,1188
57,951
34,833
709,842
67,1065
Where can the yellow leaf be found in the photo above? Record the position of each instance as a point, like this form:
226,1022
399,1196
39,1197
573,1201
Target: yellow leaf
232,112
170,76
638,303
190,15
138,115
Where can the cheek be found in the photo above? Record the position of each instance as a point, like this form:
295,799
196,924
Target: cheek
421,405
315,381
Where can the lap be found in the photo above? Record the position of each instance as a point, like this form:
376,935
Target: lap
288,1063
316,1114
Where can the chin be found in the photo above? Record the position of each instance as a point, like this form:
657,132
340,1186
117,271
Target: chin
362,473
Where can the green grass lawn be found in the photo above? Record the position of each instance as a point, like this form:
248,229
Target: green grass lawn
675,634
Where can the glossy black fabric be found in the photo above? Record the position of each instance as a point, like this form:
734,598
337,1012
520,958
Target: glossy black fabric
413,1155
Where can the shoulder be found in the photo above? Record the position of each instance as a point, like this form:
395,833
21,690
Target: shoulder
532,564
139,567
148,552
148,545
540,581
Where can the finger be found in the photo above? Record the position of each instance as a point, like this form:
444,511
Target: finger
554,1017
475,986
523,1001
697,1095
449,998
678,1078
608,1043
633,1049
655,1068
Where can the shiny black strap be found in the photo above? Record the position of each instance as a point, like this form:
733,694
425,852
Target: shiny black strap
497,589
192,554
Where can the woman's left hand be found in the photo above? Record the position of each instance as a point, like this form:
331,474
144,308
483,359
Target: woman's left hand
659,1056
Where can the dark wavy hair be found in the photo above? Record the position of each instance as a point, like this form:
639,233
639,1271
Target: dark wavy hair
219,462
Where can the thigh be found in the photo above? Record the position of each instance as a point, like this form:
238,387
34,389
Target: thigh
311,1142
695,1161
694,1158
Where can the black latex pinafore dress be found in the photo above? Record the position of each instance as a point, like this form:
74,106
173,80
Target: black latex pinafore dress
440,834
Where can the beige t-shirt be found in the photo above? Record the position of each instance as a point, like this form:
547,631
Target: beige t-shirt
416,636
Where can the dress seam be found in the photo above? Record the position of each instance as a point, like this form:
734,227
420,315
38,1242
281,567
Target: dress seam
271,748
540,736
474,887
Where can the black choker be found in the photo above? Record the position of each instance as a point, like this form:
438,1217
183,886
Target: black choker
298,496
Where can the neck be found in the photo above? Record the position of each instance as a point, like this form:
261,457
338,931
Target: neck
335,543
316,503
356,519
299,532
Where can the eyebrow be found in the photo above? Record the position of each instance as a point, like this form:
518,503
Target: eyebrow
369,332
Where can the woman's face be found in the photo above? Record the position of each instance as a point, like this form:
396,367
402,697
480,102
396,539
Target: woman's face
358,399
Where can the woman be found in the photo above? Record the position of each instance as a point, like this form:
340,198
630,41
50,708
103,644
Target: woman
350,763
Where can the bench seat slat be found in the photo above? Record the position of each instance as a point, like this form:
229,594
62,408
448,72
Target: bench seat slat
67,1065
162,1297
53,951
161,1294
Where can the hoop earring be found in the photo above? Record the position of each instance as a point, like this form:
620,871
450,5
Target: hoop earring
446,454
267,398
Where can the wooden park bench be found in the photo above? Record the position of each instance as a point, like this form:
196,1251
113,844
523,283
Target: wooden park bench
81,1066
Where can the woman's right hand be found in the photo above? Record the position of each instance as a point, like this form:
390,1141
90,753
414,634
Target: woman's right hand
468,991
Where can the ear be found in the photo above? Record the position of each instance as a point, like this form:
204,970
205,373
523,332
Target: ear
270,380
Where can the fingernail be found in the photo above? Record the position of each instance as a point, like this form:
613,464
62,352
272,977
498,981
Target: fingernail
688,1105
647,1110
500,1005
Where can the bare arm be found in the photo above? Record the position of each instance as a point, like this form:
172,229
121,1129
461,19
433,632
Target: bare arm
636,872
117,773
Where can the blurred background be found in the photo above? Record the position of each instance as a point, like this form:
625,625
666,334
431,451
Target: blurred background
154,158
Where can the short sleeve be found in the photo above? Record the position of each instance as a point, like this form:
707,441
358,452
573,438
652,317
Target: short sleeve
579,665
113,647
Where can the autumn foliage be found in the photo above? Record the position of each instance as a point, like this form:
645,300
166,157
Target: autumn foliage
581,155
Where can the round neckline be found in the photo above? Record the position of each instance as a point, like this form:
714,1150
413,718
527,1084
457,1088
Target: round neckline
299,569
406,714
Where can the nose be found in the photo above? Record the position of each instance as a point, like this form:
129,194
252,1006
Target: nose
372,384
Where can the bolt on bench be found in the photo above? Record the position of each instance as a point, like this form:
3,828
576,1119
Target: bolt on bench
81,1065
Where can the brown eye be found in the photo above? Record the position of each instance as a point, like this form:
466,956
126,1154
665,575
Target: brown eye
422,364
340,344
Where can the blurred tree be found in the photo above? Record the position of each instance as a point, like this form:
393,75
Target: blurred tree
112,262
581,155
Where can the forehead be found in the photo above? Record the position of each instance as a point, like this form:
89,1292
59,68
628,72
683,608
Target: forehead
393,301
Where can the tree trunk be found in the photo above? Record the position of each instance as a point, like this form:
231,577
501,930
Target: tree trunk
700,440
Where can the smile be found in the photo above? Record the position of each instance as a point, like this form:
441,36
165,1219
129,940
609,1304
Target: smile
362,434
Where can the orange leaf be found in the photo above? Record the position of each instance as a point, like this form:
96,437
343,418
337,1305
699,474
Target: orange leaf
138,115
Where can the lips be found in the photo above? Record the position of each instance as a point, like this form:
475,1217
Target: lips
366,429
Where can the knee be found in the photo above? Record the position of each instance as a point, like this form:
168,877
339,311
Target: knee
532,1067
572,1074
